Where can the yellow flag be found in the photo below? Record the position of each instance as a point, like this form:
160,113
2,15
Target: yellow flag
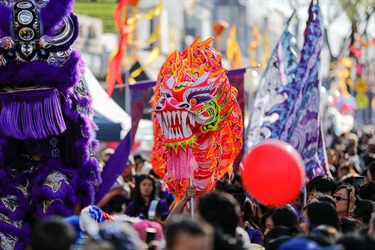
266,50
233,49
148,15
154,37
253,47
155,53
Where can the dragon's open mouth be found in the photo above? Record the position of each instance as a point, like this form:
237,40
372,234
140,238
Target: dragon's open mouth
177,124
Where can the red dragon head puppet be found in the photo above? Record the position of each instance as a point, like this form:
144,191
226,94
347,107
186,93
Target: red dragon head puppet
197,120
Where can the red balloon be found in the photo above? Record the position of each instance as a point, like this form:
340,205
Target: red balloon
273,172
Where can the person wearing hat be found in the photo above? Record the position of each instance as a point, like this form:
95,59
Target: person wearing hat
105,155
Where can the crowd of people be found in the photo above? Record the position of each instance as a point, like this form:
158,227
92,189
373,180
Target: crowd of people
332,212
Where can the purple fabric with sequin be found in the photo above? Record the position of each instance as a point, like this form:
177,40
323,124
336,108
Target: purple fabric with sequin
47,163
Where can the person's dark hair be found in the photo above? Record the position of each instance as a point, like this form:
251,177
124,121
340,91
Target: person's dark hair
183,224
122,235
285,216
249,214
324,235
325,198
363,209
280,231
139,201
350,225
138,158
237,178
52,233
322,213
266,214
237,191
223,181
356,241
220,210
275,243
371,169
116,204
322,184
367,191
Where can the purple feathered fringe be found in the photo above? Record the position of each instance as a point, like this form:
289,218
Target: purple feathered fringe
39,110
35,119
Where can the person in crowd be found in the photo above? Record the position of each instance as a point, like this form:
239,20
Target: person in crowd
185,233
237,179
368,156
320,213
270,239
105,155
351,225
371,171
362,210
323,197
335,156
266,223
247,212
363,142
285,216
142,165
145,205
342,197
321,184
346,171
52,233
367,191
371,228
275,243
222,212
115,200
120,234
324,235
181,205
298,204
356,242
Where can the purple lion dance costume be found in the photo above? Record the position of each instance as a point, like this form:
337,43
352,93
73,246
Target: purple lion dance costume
47,163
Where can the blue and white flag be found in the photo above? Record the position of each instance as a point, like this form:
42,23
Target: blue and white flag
278,73
292,99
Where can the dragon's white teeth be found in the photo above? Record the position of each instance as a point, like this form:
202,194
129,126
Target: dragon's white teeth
184,130
169,115
189,130
184,116
174,117
158,116
165,118
165,131
192,119
178,116
172,134
175,132
180,133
